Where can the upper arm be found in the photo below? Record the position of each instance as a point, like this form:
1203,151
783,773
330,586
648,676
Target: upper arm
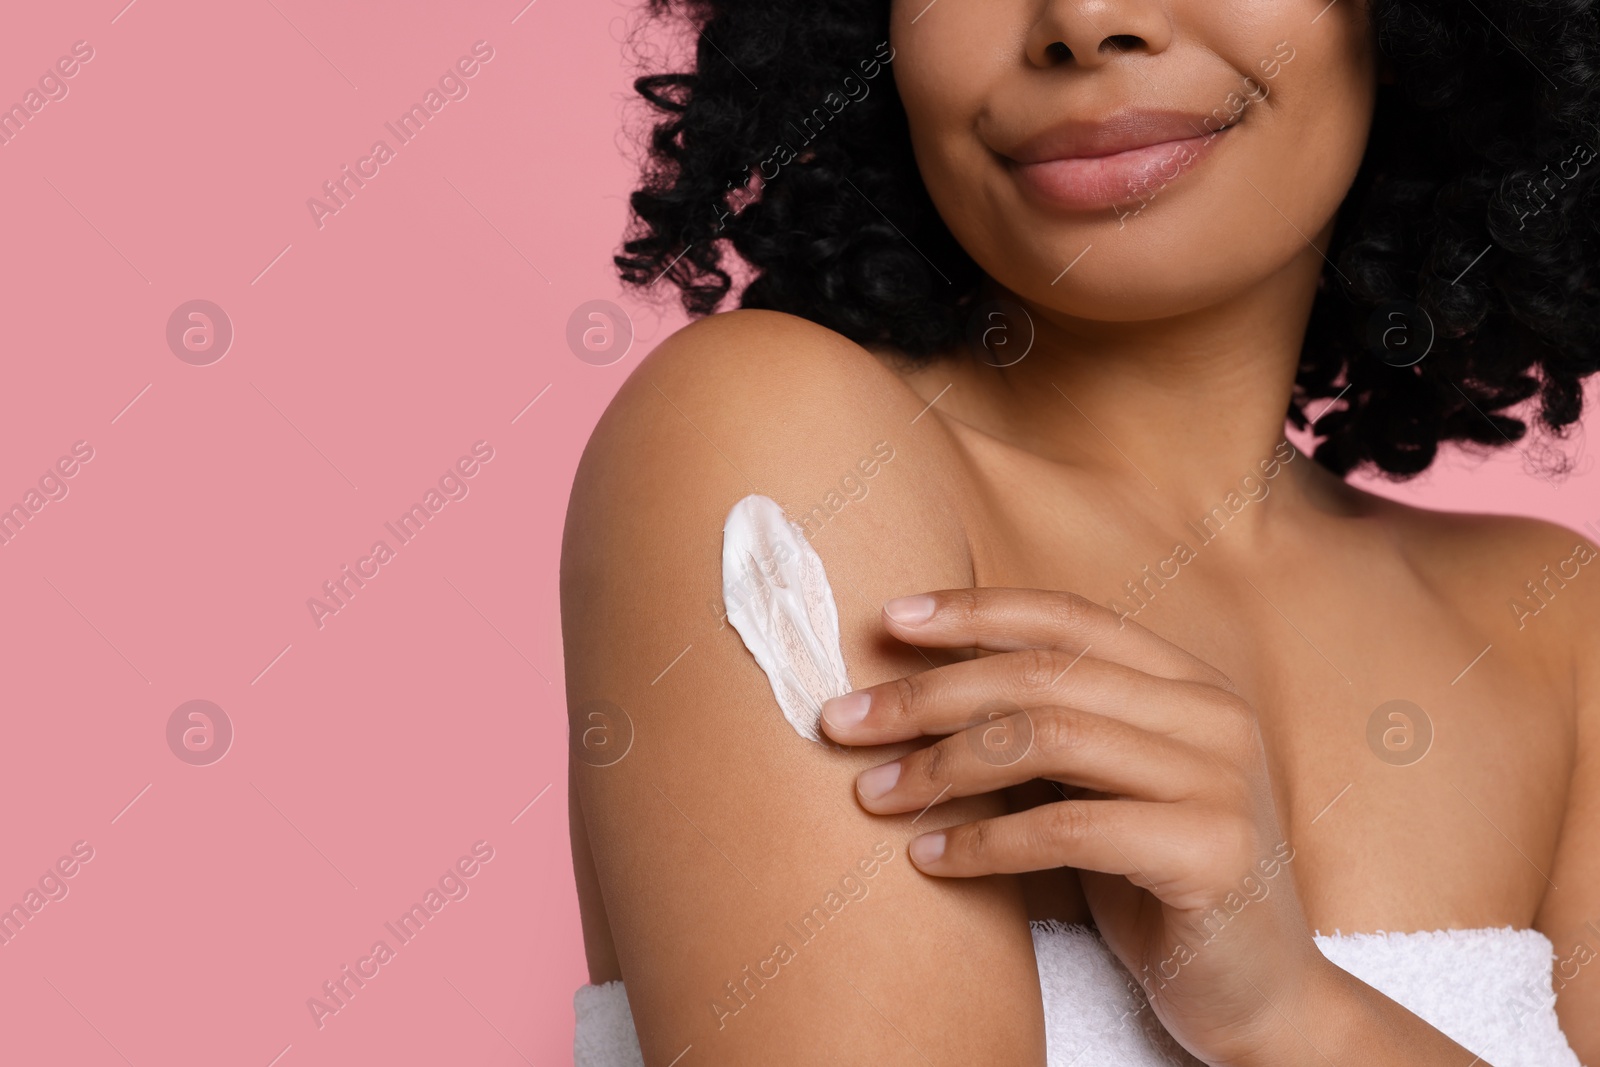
721,828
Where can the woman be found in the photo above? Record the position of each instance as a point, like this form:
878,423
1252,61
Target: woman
1156,726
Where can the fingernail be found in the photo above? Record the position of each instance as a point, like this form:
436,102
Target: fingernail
927,848
878,781
846,711
910,609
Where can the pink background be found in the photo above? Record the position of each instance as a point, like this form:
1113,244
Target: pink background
368,355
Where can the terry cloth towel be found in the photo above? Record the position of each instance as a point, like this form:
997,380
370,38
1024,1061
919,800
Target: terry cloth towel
1490,990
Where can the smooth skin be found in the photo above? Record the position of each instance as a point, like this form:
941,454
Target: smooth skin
1169,756
1172,832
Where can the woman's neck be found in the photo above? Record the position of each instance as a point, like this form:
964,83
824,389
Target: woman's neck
1179,406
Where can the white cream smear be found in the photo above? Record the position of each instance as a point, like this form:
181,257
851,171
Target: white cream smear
778,599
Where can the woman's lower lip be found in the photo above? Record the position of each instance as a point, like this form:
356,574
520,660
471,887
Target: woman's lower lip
1134,176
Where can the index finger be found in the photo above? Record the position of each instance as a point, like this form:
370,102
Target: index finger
1010,620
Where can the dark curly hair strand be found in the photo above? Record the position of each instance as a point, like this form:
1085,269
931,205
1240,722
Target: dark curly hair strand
1475,203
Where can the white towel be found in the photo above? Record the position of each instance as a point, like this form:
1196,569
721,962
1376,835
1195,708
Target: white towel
605,1035
1490,990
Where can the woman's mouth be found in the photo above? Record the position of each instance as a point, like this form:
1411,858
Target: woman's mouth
1134,176
1127,160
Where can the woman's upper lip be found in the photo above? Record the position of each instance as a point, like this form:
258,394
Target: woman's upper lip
1119,132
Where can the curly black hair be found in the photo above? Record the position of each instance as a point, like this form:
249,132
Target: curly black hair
1474,212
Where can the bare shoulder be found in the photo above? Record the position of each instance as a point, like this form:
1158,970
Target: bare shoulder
771,404
1535,587
1531,584
778,400
767,353
758,912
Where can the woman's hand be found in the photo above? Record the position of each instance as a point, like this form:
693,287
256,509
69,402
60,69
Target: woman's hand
1167,810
